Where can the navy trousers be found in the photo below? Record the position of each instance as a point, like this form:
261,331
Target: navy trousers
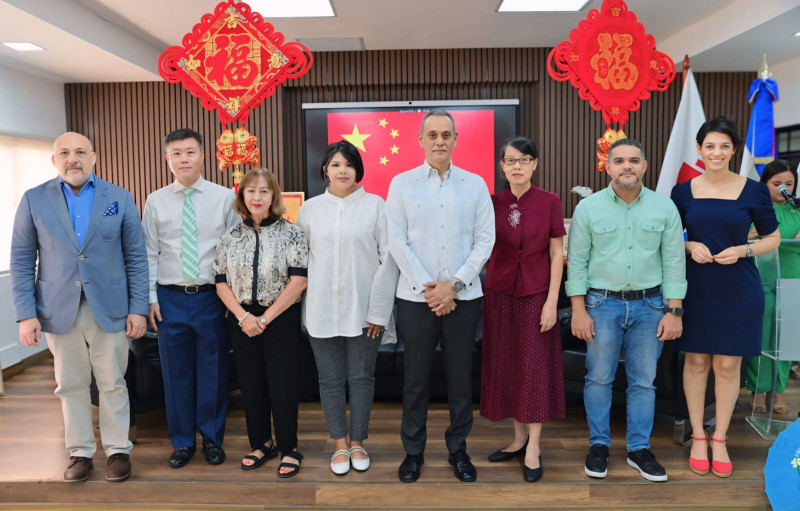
193,344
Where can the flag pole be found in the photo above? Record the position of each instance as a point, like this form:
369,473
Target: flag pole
686,66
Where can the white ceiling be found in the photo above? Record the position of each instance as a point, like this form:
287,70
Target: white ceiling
120,40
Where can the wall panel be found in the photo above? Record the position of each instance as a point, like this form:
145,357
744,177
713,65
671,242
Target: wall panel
126,121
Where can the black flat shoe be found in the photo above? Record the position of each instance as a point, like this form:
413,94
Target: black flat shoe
268,452
410,468
532,474
502,455
462,466
181,456
296,466
213,452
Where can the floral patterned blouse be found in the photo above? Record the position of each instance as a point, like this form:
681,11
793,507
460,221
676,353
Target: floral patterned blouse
276,252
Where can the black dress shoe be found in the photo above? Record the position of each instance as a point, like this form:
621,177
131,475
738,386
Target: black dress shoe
181,456
409,469
532,474
502,455
462,466
214,453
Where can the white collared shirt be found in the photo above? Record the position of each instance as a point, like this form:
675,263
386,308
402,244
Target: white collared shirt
351,276
162,223
439,229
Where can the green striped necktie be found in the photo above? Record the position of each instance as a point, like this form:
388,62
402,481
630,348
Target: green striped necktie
191,263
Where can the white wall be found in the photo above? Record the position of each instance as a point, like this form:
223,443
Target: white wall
787,109
11,350
31,106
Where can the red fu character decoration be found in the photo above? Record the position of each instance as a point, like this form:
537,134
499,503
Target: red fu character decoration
232,60
613,63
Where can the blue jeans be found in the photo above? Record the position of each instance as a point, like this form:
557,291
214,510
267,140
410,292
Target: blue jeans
632,325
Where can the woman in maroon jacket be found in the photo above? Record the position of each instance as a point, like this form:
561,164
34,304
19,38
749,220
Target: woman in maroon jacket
522,375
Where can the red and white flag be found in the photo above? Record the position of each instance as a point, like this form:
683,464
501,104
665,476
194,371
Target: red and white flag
389,143
681,162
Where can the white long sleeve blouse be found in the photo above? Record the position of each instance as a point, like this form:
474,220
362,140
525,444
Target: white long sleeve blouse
352,279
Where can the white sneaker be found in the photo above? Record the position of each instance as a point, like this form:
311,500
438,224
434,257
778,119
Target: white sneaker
359,464
343,467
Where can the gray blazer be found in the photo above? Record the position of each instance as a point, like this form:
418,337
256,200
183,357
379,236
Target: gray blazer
111,267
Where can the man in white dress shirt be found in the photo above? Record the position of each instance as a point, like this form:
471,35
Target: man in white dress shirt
441,232
182,223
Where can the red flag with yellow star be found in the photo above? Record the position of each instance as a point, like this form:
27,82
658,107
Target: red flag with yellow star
389,143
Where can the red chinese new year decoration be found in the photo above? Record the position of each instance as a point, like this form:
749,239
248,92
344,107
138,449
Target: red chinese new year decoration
604,144
237,148
232,60
612,62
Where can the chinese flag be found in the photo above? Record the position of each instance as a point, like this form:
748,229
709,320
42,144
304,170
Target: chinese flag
389,143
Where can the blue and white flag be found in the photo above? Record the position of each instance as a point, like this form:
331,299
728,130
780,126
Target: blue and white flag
759,146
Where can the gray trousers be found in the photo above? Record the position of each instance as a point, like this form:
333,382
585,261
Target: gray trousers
348,360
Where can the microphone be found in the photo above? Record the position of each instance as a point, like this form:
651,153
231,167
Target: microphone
794,201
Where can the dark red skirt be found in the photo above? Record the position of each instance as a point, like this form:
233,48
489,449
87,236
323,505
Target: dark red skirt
522,374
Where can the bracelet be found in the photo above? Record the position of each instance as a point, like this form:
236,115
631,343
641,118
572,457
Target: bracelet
242,318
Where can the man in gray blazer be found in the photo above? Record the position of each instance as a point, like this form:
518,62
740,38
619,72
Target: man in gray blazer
89,294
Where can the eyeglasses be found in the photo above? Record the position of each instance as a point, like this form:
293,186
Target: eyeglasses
525,160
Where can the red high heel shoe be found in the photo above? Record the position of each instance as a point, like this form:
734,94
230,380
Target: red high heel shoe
699,467
720,468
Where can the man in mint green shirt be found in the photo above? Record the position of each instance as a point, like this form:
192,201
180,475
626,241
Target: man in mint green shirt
626,258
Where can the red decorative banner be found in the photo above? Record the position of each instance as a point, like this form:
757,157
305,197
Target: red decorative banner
232,60
612,62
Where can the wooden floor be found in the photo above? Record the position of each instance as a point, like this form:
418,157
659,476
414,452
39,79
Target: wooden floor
32,460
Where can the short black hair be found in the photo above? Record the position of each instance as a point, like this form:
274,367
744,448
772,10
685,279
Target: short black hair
350,154
628,141
778,167
183,134
722,124
443,113
521,144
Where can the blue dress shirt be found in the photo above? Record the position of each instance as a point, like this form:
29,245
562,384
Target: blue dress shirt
79,206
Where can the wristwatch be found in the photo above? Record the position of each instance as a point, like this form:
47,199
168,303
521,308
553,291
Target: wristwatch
457,285
749,251
675,311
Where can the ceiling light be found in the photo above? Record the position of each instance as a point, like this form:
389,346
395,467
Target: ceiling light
294,9
542,5
24,46
797,34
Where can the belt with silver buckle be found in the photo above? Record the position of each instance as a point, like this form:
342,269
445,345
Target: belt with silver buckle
191,290
639,294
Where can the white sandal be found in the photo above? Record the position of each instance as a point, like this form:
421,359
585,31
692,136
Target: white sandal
359,464
343,467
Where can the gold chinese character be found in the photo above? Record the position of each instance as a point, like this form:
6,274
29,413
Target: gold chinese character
612,62
192,64
615,11
276,60
233,104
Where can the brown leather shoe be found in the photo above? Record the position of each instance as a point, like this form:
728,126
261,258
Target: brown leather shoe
78,469
118,468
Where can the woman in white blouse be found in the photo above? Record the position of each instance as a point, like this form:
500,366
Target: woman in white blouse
351,287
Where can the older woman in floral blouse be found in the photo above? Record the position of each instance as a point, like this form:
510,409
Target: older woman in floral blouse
261,267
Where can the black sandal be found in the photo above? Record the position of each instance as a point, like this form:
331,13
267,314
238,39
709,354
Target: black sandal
291,454
268,451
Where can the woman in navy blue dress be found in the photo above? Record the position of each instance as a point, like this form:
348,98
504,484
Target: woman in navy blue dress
725,300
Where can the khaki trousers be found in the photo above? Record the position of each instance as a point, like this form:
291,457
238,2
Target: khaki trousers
84,350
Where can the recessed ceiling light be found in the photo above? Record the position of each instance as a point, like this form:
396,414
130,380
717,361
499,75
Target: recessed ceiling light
24,46
293,8
542,5
797,34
